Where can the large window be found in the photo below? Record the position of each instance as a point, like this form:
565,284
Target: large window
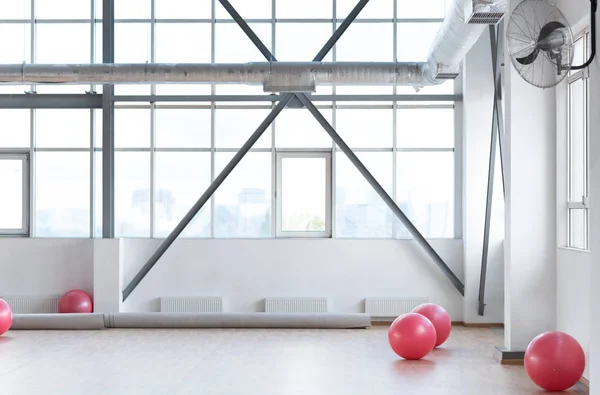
294,182
577,163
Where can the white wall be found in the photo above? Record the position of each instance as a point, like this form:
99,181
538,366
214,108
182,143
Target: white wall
45,266
530,220
246,271
478,105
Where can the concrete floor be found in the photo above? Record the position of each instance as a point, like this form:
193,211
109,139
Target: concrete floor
246,362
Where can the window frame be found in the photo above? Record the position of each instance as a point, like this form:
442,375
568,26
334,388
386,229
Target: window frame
572,203
25,230
294,153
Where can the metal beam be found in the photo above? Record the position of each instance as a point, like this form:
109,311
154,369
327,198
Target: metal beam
496,41
354,159
383,194
51,101
164,246
108,124
277,97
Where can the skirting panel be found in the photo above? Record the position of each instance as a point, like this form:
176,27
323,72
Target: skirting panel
33,304
296,305
192,305
386,308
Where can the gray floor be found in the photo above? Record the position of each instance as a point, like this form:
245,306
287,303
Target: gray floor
246,362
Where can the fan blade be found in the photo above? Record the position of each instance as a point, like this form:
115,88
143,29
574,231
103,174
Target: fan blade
548,29
529,59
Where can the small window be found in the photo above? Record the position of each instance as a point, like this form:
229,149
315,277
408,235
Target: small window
14,199
578,161
304,194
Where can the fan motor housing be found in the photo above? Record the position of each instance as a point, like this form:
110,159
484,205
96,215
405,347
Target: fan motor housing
487,12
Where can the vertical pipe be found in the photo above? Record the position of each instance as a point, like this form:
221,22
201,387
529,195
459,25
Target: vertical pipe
108,124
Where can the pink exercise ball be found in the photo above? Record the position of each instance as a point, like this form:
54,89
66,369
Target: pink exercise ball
554,361
75,301
6,317
412,336
440,319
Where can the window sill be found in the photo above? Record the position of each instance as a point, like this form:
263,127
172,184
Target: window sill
574,249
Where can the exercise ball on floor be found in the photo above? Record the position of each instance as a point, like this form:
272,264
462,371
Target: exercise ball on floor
75,301
6,316
412,336
440,319
554,361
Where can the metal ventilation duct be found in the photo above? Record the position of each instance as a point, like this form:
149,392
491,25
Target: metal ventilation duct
461,29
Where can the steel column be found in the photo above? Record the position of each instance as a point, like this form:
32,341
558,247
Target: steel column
164,246
354,159
108,124
496,41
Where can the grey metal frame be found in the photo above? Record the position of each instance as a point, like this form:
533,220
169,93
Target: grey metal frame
25,215
497,45
108,125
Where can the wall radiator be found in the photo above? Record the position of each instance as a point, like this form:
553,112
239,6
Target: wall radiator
391,307
209,304
33,304
296,305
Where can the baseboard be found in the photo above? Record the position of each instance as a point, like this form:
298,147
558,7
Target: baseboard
454,323
585,382
505,357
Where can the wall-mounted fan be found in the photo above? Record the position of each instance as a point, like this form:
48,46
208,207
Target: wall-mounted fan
540,42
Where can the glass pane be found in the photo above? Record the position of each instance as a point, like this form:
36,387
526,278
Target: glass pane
183,43
233,127
62,128
98,122
425,192
446,88
15,9
367,42
302,41
360,212
132,128
18,48
421,9
243,202
132,194
63,9
578,53
578,140
62,194
298,128
14,128
244,50
181,178
183,9
291,9
132,45
414,40
63,43
365,128
373,9
183,128
11,198
303,194
425,128
577,228
98,195
132,9
255,9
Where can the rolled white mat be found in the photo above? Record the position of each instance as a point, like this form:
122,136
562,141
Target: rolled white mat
238,320
83,321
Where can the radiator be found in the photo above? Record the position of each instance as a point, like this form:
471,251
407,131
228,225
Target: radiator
209,304
33,304
391,307
296,305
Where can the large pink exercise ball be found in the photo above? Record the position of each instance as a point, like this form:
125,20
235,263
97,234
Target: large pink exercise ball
6,317
554,361
440,319
75,301
412,336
